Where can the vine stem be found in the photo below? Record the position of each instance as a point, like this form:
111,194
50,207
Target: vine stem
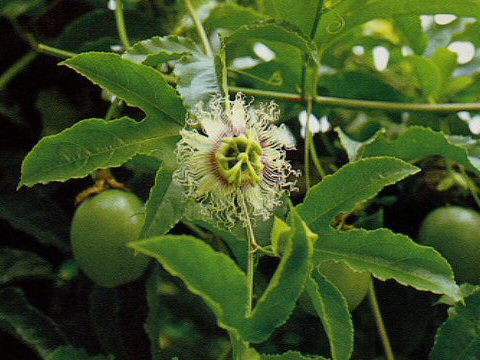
121,27
363,104
316,160
50,50
17,67
200,30
308,141
382,331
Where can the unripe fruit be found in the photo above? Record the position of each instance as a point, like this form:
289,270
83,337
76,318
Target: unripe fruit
101,228
353,285
455,232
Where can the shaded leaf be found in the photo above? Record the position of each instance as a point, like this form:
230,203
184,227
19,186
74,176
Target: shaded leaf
27,211
22,320
291,355
71,353
20,264
459,337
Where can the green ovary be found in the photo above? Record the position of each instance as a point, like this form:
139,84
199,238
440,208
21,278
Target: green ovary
239,160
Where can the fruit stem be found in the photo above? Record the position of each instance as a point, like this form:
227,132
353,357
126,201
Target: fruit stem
382,331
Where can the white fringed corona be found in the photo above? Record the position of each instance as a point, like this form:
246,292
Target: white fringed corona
233,158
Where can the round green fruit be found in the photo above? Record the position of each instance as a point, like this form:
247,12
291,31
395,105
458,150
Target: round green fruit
352,284
101,228
455,232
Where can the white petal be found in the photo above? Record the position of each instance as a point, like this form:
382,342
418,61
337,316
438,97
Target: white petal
198,141
238,114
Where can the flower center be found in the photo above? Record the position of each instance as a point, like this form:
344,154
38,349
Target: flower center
239,159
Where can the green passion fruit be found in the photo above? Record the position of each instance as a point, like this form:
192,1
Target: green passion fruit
101,228
455,232
352,284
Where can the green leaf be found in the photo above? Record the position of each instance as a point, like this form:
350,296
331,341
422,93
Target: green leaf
71,353
165,206
20,264
139,85
417,143
97,30
157,50
349,14
428,74
231,16
459,337
22,320
410,27
332,308
223,286
116,319
154,318
27,211
93,144
289,10
291,355
446,60
270,30
353,183
389,256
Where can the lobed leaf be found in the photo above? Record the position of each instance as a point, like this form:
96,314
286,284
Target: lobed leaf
389,256
223,286
139,85
353,183
332,308
93,144
459,337
22,320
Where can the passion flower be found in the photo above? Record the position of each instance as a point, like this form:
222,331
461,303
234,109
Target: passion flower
232,159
